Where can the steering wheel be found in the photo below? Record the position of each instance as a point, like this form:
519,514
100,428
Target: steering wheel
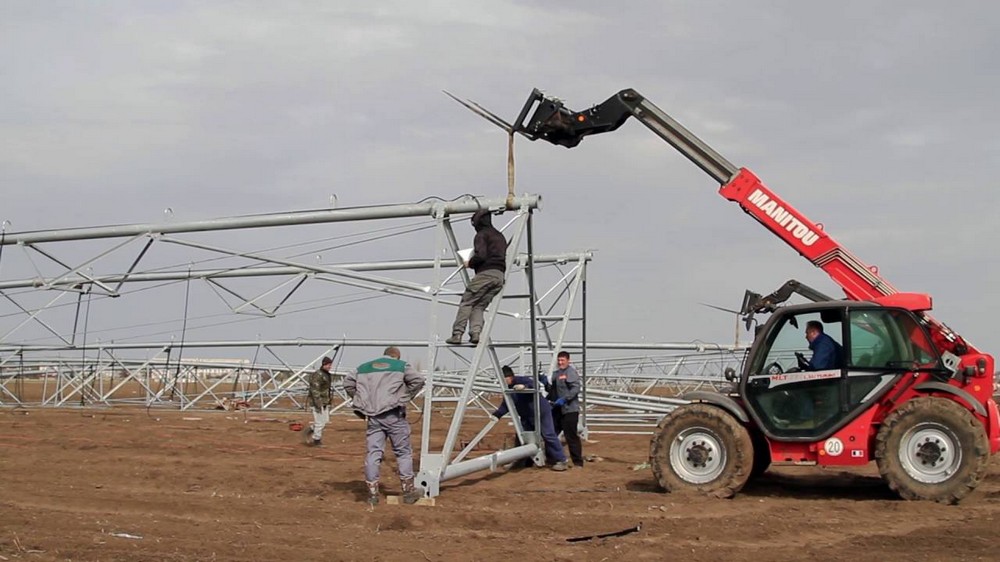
802,361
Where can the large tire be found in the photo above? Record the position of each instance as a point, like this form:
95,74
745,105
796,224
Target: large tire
932,449
701,448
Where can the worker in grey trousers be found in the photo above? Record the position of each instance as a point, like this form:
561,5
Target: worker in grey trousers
380,390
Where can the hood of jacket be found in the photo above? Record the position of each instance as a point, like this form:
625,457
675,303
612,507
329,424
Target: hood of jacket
481,219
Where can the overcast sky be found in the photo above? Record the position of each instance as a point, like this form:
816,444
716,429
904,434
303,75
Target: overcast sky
877,119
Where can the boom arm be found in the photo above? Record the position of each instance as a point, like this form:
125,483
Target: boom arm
554,123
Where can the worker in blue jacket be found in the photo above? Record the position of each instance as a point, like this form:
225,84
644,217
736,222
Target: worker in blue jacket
524,403
827,353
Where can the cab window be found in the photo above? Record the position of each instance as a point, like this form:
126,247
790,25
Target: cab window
888,338
790,338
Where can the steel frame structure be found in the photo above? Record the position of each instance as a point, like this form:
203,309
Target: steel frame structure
277,383
162,377
86,381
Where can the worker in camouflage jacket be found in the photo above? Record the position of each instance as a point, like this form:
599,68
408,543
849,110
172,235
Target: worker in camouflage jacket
320,399
380,390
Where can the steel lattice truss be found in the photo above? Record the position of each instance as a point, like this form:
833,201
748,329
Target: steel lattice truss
57,350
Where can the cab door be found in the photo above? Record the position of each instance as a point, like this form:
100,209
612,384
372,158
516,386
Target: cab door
884,345
788,400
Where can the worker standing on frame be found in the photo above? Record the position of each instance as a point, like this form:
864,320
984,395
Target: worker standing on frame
489,261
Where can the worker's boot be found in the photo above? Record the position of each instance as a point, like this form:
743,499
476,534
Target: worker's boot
411,492
372,493
455,339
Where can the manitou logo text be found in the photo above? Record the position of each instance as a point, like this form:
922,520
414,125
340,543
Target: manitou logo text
783,217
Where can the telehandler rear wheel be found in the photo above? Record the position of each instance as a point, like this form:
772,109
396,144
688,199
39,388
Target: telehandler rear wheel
932,449
701,448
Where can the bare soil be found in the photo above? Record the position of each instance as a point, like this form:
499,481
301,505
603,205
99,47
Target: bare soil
131,485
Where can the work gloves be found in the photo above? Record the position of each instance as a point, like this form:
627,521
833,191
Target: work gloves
559,402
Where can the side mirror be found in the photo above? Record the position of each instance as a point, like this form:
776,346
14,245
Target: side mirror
730,374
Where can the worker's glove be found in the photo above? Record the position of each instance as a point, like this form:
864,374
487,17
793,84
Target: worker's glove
560,402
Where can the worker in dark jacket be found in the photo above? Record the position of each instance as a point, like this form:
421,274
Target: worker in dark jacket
525,406
489,261
379,390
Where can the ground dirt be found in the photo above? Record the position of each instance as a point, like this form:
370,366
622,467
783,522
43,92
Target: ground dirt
132,485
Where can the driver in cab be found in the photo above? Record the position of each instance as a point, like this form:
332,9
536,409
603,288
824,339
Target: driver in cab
827,353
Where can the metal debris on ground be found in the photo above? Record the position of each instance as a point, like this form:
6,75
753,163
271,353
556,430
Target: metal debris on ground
621,533
126,536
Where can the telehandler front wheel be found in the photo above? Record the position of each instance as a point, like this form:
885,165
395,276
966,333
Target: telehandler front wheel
701,448
932,449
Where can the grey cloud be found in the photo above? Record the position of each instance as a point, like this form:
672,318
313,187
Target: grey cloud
873,118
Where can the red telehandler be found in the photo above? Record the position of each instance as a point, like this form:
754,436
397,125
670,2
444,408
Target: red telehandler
902,389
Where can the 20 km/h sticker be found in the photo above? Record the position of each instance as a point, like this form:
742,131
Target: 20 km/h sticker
833,446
